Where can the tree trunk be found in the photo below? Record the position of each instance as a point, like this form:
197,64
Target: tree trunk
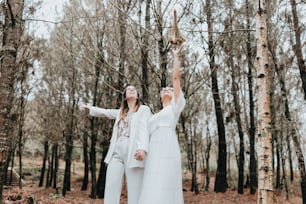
20,135
144,55
221,181
194,183
278,163
162,45
265,170
297,47
252,130
240,131
283,162
290,158
207,156
56,164
52,169
102,173
294,136
68,135
86,161
92,156
98,65
43,168
287,112
237,107
12,31
48,173
122,17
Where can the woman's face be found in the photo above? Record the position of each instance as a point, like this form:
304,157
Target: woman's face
131,92
166,92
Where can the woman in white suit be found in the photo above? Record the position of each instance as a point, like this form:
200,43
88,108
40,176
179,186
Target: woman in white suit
128,146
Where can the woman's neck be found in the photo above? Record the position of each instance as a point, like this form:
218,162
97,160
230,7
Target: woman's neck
166,103
131,104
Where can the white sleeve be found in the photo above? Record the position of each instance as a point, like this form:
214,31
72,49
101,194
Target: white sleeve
101,112
143,137
178,105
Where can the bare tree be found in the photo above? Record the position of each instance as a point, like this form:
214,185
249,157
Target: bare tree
297,47
13,28
252,128
265,170
144,53
221,181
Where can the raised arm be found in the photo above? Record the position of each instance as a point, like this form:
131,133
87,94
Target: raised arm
176,71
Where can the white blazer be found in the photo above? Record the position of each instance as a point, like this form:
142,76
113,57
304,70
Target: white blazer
139,135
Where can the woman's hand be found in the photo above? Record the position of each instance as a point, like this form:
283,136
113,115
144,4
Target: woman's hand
83,106
140,155
176,51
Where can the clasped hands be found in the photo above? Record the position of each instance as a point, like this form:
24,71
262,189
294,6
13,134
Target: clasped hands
139,155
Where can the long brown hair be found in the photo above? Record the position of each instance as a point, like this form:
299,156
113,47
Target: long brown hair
124,105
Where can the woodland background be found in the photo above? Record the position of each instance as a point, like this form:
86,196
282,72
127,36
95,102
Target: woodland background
98,47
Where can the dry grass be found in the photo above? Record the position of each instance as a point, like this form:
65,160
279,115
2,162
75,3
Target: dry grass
76,196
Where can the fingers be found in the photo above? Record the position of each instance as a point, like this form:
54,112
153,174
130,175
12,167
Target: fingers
177,50
83,107
139,155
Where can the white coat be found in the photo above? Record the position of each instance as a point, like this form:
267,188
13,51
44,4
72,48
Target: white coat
139,136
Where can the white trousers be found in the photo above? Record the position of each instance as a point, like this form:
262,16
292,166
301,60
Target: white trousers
116,169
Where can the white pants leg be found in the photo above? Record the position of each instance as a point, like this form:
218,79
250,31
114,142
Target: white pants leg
115,172
113,183
114,176
134,178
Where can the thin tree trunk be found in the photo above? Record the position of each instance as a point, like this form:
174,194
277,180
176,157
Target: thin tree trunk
240,131
221,181
86,161
43,168
194,183
252,130
48,173
122,17
12,167
207,156
52,165
20,136
68,135
102,173
283,162
265,170
294,136
144,55
92,157
67,172
237,107
297,47
56,164
278,163
162,45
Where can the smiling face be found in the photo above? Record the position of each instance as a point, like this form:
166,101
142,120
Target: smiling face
131,93
166,93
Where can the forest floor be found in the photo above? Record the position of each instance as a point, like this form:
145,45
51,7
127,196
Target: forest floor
42,195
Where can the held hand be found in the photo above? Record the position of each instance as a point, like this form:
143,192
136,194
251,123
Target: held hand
139,155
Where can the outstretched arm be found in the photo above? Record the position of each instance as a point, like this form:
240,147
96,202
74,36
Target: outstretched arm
99,112
176,71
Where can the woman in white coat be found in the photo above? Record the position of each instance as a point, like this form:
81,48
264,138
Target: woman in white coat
162,182
128,146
